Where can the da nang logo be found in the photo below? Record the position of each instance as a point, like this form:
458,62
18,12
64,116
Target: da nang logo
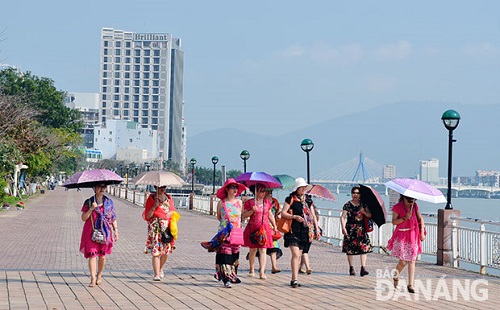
430,289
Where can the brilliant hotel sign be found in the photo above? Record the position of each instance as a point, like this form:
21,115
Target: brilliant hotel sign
151,37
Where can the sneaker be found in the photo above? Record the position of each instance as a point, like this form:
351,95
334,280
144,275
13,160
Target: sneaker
162,275
294,283
227,284
157,278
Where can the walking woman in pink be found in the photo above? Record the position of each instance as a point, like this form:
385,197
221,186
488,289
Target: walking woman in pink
259,211
99,233
228,210
406,241
158,211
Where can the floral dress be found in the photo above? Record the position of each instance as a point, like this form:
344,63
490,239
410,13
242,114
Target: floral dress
103,218
155,226
357,240
227,256
405,242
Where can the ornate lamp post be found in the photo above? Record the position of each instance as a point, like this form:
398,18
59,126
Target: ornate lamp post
215,160
245,155
193,162
450,119
307,145
147,164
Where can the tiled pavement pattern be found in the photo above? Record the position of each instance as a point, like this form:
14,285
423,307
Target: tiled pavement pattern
41,268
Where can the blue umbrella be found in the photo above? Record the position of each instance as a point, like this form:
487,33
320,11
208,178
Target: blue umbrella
285,180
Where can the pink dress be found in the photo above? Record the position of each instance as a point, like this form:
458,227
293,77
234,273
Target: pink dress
103,218
257,219
405,243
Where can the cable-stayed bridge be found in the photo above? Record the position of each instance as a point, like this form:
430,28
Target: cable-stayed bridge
357,170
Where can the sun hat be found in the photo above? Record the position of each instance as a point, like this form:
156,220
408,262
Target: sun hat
221,193
299,182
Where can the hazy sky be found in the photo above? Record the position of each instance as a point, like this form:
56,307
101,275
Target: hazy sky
257,65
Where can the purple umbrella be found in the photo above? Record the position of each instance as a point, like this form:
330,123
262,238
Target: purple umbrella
416,189
253,178
90,178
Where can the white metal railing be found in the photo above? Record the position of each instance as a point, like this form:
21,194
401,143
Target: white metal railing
181,201
472,245
476,246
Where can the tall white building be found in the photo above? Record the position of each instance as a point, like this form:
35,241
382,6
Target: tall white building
429,170
389,172
142,81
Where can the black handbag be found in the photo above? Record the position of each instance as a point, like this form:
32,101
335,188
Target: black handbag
166,236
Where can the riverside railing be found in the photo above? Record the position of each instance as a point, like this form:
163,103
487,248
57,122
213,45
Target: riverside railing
471,245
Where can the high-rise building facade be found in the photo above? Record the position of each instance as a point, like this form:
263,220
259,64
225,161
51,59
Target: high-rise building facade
142,81
429,170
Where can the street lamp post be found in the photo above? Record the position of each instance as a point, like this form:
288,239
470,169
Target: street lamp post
307,145
450,119
193,162
215,160
147,164
245,155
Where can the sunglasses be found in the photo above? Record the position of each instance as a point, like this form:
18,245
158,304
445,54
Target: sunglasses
355,193
232,187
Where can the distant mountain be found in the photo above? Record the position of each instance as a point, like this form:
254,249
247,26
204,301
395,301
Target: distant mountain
399,134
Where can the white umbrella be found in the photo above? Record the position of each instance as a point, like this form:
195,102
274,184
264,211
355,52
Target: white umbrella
416,189
158,178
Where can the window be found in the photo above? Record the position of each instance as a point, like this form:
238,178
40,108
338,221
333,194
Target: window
117,52
154,113
117,75
116,105
136,119
137,68
154,121
137,83
130,140
145,83
127,52
106,52
156,83
117,67
136,90
104,103
105,82
145,105
145,75
117,89
155,91
155,98
145,98
144,112
156,68
116,97
117,82
144,120
145,90
147,53
110,140
103,112
127,45
127,75
156,75
156,60
137,52
127,67
137,60
105,59
136,112
145,68
105,74
136,105
146,61
127,90
117,60
155,106
157,52
105,67
126,98
137,75
106,43
118,44
104,89
125,113
103,96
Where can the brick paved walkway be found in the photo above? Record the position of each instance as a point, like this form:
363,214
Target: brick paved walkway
42,268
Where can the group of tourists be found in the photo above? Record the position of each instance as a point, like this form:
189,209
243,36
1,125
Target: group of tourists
260,234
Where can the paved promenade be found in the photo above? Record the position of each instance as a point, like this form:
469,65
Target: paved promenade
41,268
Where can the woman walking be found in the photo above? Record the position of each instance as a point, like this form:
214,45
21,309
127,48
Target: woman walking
406,241
303,230
158,211
356,239
258,210
228,211
98,213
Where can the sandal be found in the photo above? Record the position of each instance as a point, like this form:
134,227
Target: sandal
309,271
396,282
411,289
276,271
294,283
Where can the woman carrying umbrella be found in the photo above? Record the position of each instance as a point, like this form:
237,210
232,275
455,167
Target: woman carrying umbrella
406,241
259,211
228,211
158,211
356,239
98,213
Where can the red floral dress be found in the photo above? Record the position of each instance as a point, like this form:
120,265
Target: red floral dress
155,226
